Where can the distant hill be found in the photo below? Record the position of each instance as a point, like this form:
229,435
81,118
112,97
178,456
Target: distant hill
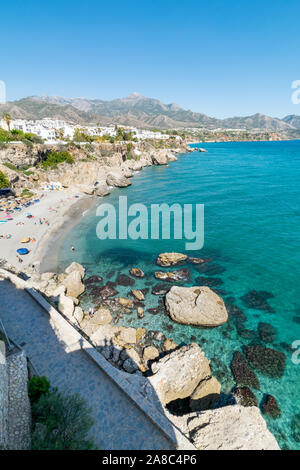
137,110
293,120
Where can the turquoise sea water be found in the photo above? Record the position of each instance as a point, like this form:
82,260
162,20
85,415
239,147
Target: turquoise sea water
252,214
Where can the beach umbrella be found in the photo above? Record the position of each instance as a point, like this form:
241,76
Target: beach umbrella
22,251
25,240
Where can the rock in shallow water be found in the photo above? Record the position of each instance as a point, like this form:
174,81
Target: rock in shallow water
124,280
242,372
198,306
160,289
244,396
170,259
137,272
267,332
258,300
173,276
268,361
270,407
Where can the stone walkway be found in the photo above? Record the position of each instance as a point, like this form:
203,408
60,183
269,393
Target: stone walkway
119,423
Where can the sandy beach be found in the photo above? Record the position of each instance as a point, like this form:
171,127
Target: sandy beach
45,220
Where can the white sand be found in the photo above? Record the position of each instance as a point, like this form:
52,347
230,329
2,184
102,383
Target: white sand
53,207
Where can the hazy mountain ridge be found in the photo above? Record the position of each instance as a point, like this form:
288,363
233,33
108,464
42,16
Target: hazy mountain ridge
137,110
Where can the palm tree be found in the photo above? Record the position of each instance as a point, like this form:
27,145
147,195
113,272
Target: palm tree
7,118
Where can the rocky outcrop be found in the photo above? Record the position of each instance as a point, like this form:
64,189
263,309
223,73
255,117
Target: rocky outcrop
178,374
170,259
206,394
75,267
242,372
101,317
231,428
137,272
73,284
198,306
117,178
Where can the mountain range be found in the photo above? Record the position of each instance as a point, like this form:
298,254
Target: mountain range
140,111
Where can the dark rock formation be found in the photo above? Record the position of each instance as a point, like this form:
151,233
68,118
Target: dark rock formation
124,280
258,300
242,372
268,361
244,396
270,407
267,332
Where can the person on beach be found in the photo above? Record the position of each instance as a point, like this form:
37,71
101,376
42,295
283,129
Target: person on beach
91,311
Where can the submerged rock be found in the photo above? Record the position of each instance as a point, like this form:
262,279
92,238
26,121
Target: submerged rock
194,260
267,332
173,276
210,269
244,396
107,291
196,306
268,361
160,289
258,300
231,428
170,259
270,407
295,425
209,281
124,280
242,372
93,280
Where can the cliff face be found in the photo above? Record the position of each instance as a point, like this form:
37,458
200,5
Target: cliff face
96,167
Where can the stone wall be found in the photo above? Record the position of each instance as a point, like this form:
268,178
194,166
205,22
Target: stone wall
3,398
15,412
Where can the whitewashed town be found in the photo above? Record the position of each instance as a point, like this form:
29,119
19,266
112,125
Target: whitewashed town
53,130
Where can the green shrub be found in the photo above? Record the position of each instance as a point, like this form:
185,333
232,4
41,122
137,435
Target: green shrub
55,158
37,386
4,182
10,166
61,422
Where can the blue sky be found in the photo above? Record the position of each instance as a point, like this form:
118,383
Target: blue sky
222,58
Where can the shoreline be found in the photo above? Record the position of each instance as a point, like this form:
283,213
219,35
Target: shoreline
67,206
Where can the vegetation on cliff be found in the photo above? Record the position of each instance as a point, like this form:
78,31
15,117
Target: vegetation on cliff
55,158
4,182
